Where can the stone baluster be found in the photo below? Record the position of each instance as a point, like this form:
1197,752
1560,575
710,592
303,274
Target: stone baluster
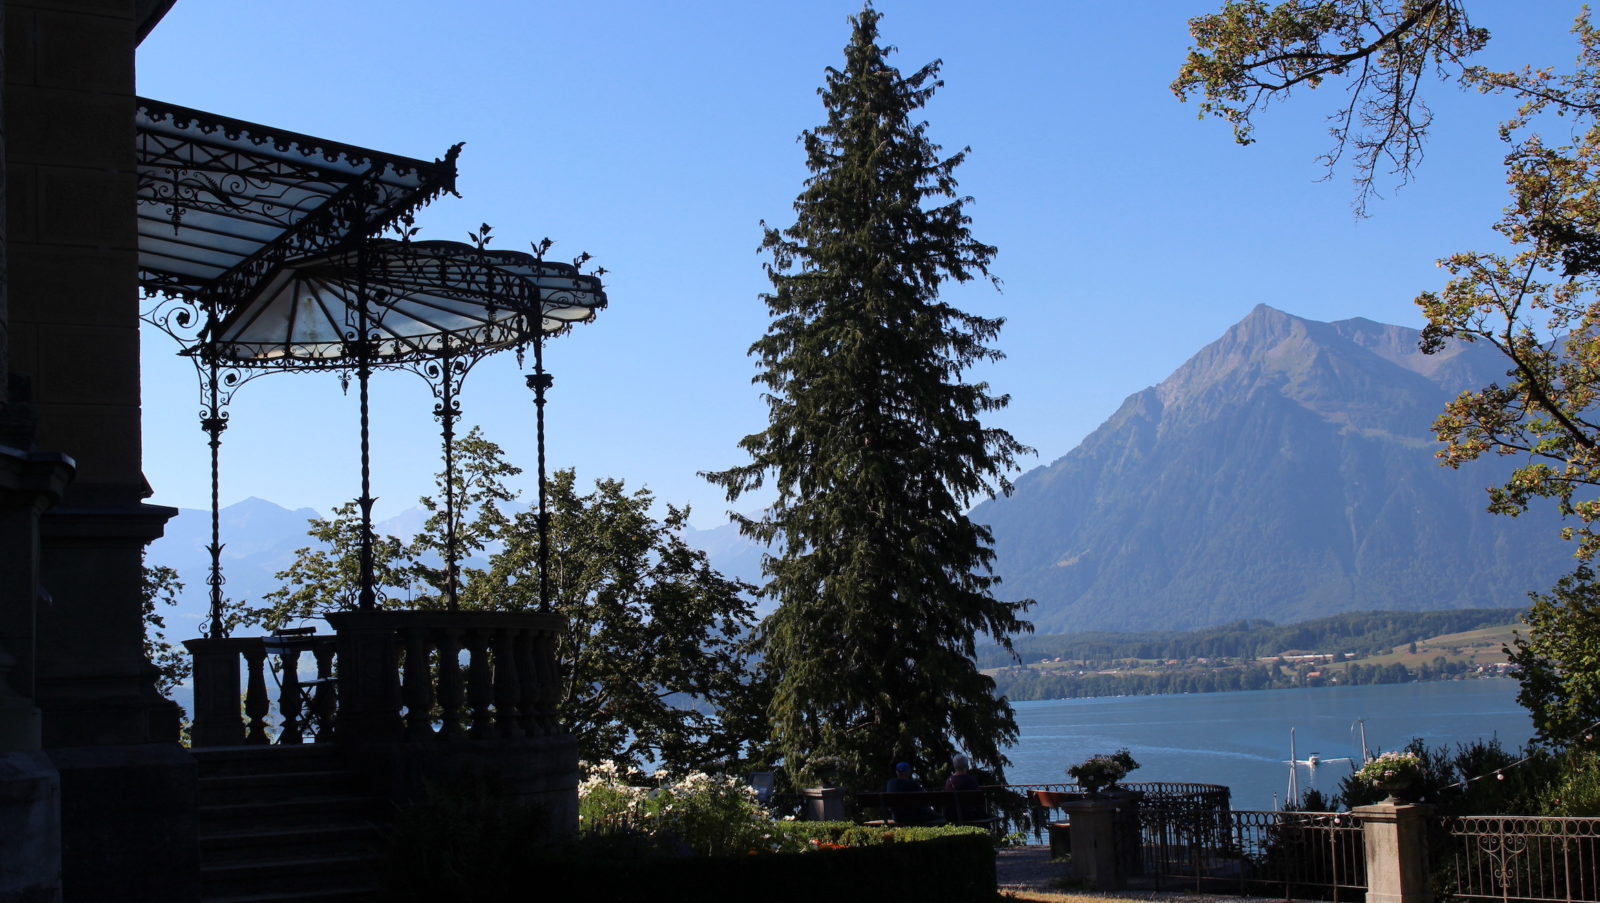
256,704
528,681
450,685
506,688
289,701
480,687
418,684
549,667
324,703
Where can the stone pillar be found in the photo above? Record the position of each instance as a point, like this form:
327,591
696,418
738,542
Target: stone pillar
216,692
369,680
823,804
1094,843
30,787
72,344
1397,852
29,483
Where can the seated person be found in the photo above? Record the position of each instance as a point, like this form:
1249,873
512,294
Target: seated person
961,778
903,782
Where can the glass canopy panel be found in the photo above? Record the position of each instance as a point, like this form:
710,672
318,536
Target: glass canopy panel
414,300
223,203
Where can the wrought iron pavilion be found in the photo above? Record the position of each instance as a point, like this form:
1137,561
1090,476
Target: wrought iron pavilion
262,248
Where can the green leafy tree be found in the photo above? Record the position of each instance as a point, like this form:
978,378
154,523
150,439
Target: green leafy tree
654,658
479,486
159,588
875,447
327,576
1251,53
1559,660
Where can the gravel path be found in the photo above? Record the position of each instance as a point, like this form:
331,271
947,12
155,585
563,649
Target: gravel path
1026,873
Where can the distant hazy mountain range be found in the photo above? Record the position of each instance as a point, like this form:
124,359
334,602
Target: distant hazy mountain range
1285,472
260,539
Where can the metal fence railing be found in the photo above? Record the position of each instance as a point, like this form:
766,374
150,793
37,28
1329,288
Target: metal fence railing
1289,855
1522,858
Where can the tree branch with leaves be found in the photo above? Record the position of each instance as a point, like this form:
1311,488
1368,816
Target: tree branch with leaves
1252,53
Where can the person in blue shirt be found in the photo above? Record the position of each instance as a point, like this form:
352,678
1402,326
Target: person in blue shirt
903,782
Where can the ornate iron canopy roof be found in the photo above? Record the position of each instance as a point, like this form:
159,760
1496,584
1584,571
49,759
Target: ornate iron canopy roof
223,203
413,300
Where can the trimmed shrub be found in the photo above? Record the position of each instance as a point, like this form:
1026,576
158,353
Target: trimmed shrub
955,867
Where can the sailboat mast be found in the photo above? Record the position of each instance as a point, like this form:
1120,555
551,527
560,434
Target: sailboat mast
1294,773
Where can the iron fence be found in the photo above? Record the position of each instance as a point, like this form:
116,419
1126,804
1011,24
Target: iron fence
1290,855
1522,858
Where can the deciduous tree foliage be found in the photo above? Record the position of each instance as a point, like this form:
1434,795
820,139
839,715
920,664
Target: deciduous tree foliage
654,658
1559,660
159,586
1536,305
1251,53
875,447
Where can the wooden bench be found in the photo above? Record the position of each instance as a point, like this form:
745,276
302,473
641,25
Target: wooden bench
929,807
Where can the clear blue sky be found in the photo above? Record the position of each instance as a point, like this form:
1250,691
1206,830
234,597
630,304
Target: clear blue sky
657,136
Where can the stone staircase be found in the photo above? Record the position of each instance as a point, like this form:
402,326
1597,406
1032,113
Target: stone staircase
285,824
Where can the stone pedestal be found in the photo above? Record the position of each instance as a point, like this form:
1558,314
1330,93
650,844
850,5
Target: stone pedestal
1397,852
823,804
30,828
216,692
128,823
29,483
95,686
1094,843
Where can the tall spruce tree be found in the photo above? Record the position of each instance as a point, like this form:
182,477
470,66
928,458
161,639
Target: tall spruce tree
875,446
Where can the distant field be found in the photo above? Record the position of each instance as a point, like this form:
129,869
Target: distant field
1480,647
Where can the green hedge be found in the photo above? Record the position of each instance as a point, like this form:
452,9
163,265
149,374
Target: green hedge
924,864
956,867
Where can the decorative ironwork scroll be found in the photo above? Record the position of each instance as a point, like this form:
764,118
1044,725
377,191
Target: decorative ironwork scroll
187,322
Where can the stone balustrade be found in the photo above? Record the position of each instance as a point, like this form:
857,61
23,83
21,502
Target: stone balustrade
398,675
223,716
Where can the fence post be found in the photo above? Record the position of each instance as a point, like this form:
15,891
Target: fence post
1094,842
1397,852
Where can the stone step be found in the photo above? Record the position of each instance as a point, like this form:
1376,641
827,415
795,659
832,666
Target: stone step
325,877
219,761
277,843
362,893
282,813
266,787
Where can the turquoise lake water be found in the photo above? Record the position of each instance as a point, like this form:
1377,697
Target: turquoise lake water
1242,739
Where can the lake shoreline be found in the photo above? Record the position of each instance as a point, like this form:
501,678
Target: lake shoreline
1241,738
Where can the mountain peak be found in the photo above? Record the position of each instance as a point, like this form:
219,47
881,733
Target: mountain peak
1285,470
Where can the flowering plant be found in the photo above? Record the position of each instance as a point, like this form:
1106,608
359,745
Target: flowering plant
1392,771
1099,772
707,814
